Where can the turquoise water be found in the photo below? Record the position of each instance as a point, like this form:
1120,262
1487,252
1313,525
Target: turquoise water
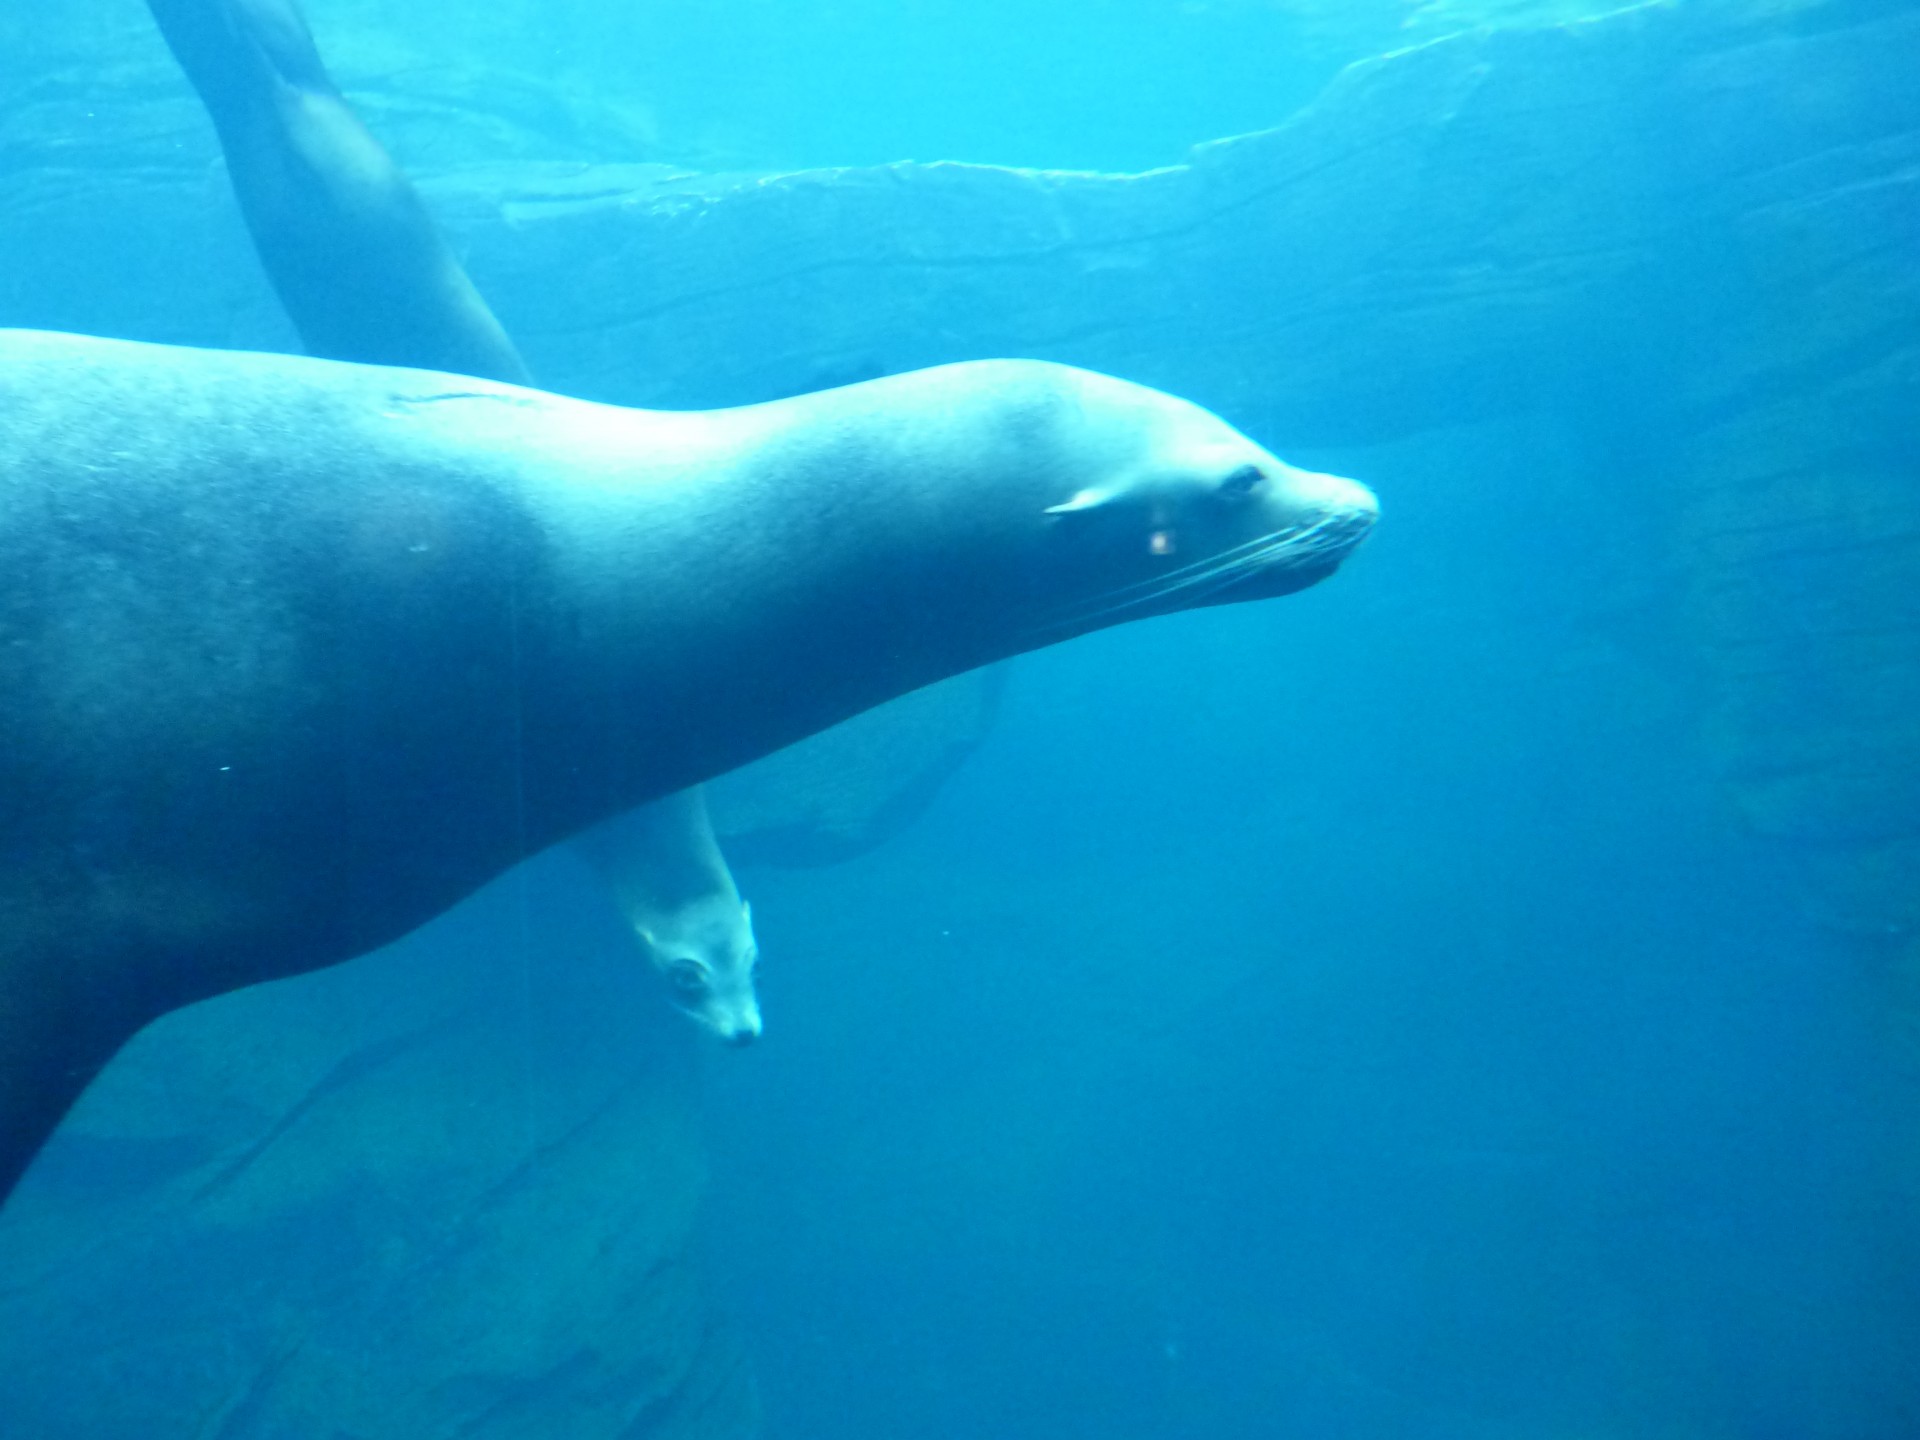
1414,1008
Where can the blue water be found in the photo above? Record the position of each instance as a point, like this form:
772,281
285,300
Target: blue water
1360,1015
1349,1019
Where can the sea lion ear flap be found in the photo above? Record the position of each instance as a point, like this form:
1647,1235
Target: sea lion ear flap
1081,503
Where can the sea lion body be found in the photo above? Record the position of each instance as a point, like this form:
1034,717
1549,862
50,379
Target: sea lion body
294,654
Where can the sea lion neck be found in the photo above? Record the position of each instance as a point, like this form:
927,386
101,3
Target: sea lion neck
783,566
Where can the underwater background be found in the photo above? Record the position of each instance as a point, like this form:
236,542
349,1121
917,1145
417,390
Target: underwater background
1473,998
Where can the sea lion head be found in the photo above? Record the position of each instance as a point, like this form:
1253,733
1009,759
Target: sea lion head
707,958
939,519
1185,510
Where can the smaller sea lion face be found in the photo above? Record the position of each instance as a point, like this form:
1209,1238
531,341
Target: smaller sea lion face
708,964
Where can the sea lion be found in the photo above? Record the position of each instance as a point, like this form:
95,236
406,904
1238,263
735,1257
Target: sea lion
365,275
354,257
294,654
667,875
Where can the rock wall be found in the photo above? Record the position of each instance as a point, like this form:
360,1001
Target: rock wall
1692,239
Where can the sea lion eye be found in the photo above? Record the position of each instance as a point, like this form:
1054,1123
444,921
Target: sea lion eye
687,977
1243,481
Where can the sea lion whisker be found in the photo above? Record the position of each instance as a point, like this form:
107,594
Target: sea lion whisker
1118,600
1255,554
1115,605
1156,584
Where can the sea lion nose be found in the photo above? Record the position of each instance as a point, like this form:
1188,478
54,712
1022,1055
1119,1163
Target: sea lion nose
1353,502
745,1035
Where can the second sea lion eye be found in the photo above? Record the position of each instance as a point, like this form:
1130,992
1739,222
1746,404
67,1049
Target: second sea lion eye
1242,481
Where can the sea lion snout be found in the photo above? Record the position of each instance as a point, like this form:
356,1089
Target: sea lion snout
1345,504
1310,523
1330,516
1347,527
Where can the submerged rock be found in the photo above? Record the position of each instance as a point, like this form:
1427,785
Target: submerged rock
451,1188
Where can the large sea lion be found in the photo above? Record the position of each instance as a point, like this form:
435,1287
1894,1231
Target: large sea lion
366,275
294,654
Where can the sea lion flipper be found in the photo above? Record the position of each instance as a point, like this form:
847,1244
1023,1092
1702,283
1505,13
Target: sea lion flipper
355,258
1081,503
